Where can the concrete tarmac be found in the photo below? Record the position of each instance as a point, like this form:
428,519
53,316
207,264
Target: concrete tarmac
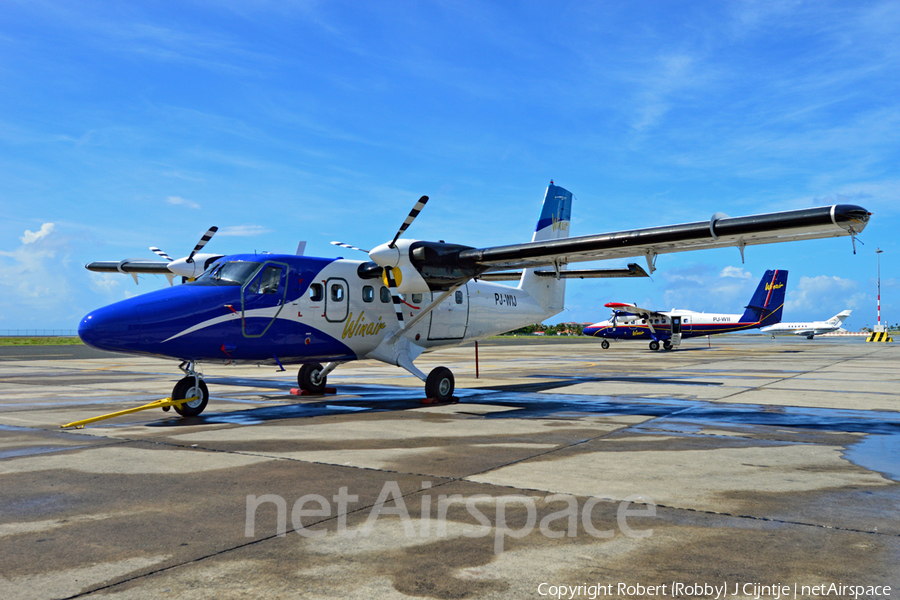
749,462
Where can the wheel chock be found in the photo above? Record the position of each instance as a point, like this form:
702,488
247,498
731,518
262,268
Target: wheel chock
452,400
300,392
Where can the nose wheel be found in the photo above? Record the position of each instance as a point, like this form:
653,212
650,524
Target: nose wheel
190,387
604,344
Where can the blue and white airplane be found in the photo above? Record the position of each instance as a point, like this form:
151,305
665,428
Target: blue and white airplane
410,297
630,322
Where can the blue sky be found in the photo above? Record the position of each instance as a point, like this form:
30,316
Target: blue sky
126,125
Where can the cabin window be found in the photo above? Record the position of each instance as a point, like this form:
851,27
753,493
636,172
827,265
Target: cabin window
337,292
459,297
385,294
316,292
417,298
368,293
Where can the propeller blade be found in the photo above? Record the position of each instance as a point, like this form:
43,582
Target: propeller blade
392,286
349,247
412,217
206,237
161,253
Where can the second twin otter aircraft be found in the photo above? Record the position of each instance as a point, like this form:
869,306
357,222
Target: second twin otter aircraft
410,297
630,322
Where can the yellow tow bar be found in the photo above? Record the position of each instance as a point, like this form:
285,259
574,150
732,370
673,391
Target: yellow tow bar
161,403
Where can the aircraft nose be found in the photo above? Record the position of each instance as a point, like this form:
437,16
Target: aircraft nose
114,327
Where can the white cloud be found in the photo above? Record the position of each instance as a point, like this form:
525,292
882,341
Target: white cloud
32,236
737,272
244,230
179,201
813,295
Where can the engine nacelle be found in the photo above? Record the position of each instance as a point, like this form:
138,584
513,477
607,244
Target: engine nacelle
421,267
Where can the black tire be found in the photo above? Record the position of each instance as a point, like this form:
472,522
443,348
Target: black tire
305,377
604,344
185,389
667,344
440,385
654,345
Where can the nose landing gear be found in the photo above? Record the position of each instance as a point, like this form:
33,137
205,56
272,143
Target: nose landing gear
190,386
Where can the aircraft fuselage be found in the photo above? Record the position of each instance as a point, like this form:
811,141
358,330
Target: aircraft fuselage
290,309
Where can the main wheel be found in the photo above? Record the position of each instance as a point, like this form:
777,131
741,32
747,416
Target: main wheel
190,387
309,379
667,344
654,345
440,384
604,344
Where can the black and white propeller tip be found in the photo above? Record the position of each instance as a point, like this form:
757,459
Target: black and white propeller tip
206,237
409,219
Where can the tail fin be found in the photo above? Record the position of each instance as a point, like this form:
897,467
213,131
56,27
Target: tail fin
767,302
840,317
553,224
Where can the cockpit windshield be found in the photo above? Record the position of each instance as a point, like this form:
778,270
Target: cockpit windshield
228,273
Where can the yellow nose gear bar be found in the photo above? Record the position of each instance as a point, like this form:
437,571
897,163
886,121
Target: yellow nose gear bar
161,403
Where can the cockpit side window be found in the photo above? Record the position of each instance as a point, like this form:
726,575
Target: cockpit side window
316,292
267,282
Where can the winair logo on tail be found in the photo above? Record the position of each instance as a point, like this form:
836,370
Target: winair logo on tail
556,210
359,328
776,286
559,225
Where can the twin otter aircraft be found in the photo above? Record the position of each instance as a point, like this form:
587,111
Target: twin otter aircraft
630,322
411,297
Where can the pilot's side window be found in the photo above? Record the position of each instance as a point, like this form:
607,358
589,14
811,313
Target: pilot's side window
368,293
337,292
268,283
316,292
459,297
385,294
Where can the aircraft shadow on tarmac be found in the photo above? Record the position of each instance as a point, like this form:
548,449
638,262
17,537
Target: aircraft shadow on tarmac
532,401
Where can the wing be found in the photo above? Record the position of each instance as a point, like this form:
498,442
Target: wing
632,309
131,265
718,232
633,270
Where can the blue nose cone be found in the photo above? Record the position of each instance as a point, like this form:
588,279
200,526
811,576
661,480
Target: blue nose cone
115,328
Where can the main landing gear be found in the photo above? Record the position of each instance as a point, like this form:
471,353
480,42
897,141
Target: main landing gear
667,344
439,384
191,386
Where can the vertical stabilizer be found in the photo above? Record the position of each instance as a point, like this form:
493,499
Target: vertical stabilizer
767,303
553,224
839,318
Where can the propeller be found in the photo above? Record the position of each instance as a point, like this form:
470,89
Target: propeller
203,241
161,253
206,237
409,220
348,246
